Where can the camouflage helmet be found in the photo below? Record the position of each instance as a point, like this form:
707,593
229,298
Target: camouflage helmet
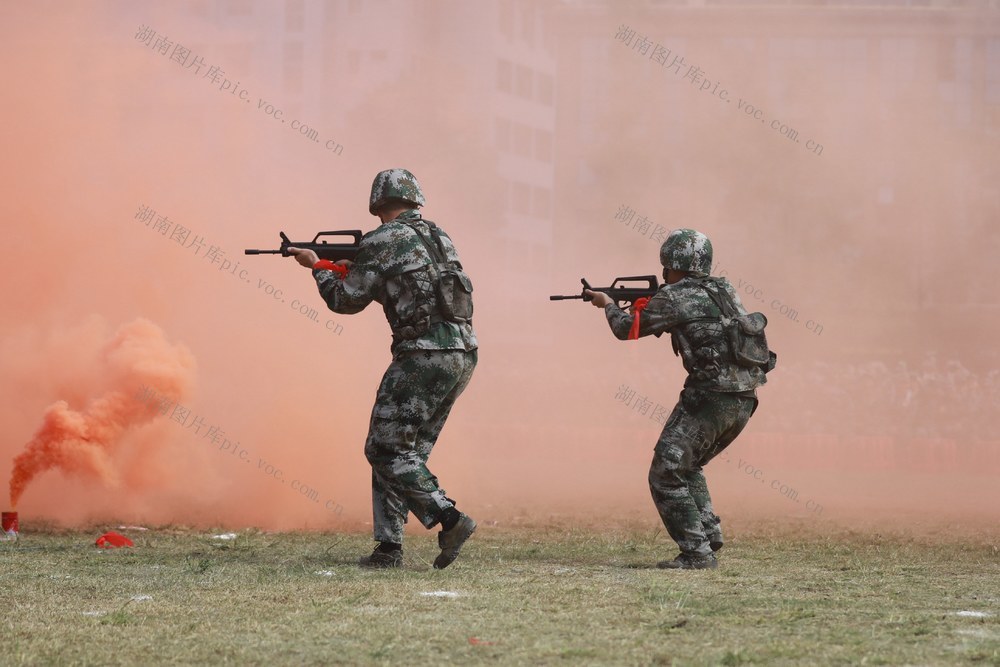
395,184
687,250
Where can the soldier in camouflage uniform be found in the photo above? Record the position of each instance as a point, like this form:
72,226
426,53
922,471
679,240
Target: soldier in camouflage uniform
717,400
433,360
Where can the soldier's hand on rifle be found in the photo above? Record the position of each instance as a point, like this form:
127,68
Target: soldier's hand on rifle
600,299
304,256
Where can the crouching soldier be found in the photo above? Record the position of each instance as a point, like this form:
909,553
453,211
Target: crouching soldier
725,354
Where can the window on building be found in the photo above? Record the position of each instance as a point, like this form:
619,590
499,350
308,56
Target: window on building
846,64
505,76
524,82
541,203
738,47
521,198
548,42
594,59
503,134
527,23
543,145
503,193
993,71
240,57
506,19
962,100
295,11
238,8
521,135
855,68
293,67
963,59
897,64
545,88
945,60
329,69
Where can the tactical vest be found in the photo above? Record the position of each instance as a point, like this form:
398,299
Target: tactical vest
439,291
727,344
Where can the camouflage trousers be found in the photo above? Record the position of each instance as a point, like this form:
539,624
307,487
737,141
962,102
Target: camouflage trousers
702,424
413,401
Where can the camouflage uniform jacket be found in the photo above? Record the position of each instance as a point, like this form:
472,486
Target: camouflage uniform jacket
702,345
392,268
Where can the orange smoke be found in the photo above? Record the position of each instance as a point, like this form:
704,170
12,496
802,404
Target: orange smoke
143,371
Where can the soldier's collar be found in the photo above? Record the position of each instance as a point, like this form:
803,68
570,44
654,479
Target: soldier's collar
409,215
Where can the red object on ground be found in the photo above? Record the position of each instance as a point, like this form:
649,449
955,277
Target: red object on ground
330,266
9,521
112,540
476,641
639,306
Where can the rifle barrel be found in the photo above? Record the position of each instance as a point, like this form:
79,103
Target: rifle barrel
261,252
560,298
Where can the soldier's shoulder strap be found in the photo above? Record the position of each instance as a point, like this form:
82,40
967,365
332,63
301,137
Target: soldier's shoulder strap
725,308
436,249
720,297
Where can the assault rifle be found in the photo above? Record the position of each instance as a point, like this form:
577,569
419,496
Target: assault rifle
331,251
621,292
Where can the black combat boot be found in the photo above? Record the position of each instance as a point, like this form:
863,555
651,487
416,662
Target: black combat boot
386,555
451,541
686,561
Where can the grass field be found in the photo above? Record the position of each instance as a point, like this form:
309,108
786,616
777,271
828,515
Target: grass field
535,594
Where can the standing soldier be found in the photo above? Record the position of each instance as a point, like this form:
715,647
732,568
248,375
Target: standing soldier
701,313
410,267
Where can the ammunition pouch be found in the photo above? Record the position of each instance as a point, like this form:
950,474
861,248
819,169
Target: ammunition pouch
454,295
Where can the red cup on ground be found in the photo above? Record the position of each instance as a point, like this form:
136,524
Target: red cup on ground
8,521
